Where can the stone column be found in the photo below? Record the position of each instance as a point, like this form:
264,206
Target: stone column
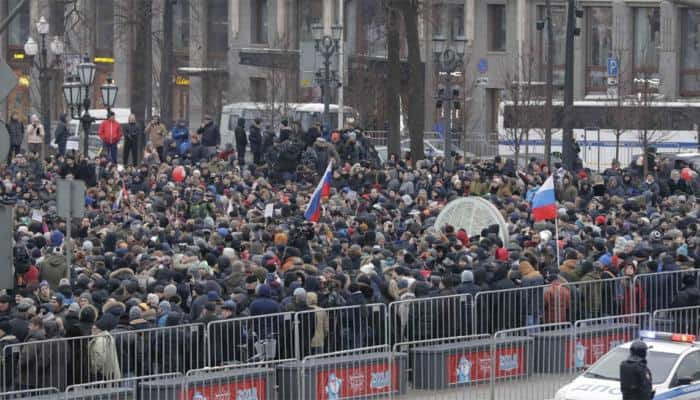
198,46
623,43
123,43
669,53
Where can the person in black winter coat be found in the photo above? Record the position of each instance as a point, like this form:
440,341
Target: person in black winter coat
132,133
635,377
688,296
312,134
210,135
255,138
8,357
467,286
241,141
264,304
61,134
15,128
285,131
198,151
499,310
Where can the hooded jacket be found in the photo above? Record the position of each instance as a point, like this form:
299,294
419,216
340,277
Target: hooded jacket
110,131
53,269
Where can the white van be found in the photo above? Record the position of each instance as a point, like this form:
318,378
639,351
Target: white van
94,143
305,113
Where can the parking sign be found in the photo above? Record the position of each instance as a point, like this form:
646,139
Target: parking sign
613,66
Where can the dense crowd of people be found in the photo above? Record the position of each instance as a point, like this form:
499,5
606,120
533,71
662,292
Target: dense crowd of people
229,240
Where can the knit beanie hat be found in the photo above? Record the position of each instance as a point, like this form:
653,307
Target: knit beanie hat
134,313
169,291
56,238
467,276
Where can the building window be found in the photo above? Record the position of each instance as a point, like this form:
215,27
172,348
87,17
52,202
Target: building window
497,27
310,14
457,18
646,42
599,47
217,27
57,18
181,25
258,89
690,53
104,17
374,29
259,25
18,30
437,18
559,30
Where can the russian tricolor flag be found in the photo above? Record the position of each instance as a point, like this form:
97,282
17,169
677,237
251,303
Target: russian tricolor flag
323,190
544,202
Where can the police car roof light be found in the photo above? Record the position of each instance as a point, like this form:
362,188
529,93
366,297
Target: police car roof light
674,337
647,334
678,337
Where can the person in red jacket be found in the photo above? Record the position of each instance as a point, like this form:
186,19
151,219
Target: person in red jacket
110,134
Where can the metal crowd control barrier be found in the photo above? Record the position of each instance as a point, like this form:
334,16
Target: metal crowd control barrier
430,318
678,320
526,362
161,350
251,339
595,298
498,310
40,394
363,373
120,389
255,381
48,363
659,289
72,361
595,337
448,368
331,330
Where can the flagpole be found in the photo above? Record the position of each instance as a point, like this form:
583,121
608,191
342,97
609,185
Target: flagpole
556,239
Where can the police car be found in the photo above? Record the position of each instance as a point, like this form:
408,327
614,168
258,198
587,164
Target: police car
673,359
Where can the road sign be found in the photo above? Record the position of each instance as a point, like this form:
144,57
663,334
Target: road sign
70,201
483,65
482,81
8,79
613,66
70,198
4,142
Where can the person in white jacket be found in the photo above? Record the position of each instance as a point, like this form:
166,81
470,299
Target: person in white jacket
104,360
35,135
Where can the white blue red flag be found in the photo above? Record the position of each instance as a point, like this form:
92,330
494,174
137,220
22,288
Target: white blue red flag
544,203
323,190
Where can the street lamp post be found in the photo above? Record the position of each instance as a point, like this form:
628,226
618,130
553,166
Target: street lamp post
327,46
76,90
31,49
450,62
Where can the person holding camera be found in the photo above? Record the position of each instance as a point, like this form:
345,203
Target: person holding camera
156,132
35,135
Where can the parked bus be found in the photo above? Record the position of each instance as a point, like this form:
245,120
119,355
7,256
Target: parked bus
674,128
307,114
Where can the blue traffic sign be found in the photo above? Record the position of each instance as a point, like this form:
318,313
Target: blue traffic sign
483,65
613,66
